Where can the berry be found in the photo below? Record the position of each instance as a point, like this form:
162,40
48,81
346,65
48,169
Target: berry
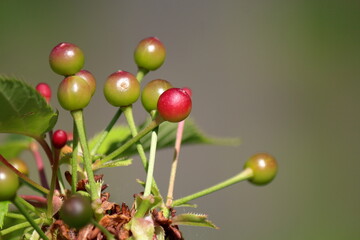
44,90
174,105
151,93
20,165
187,90
121,89
74,93
89,78
76,211
59,139
66,59
150,54
264,168
9,184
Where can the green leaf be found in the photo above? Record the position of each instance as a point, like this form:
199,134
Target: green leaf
4,207
13,145
23,109
166,138
192,219
115,163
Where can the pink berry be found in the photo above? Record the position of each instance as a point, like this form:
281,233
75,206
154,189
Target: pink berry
45,90
174,105
66,59
59,139
187,90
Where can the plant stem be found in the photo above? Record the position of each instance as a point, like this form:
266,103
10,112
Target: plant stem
28,205
15,216
141,74
74,159
18,204
179,133
106,132
131,141
18,226
46,148
79,121
24,177
107,234
150,172
39,163
53,183
245,174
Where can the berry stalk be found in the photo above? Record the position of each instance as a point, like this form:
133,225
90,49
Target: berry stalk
150,170
74,159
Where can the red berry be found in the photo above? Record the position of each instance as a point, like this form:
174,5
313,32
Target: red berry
66,59
89,78
45,90
264,168
150,53
59,139
174,105
187,90
151,93
74,93
121,89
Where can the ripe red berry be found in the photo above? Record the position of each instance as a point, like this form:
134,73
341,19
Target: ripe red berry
174,105
89,78
66,59
187,90
59,138
121,89
151,93
45,90
264,168
74,93
150,54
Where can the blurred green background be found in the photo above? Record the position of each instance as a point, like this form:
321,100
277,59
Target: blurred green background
282,75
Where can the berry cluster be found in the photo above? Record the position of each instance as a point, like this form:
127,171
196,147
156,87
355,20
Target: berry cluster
85,208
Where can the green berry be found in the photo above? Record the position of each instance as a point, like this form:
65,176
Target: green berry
151,93
9,184
66,59
20,165
174,105
121,89
76,211
264,168
74,93
150,54
89,78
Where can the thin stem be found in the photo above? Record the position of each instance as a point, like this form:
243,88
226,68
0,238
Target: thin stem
79,121
179,133
46,148
141,74
106,132
39,163
23,176
107,234
17,203
150,172
55,168
131,141
245,174
28,205
18,226
74,159
15,216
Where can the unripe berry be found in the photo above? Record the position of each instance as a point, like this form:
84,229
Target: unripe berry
121,89
66,59
174,105
74,93
264,167
44,90
150,54
9,184
151,93
76,211
20,165
59,138
89,78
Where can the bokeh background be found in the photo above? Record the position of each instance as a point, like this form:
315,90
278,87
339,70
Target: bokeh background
281,75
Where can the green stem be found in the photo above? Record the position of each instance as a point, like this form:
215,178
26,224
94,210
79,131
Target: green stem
107,234
17,203
15,216
79,121
106,132
150,172
55,168
24,177
18,227
244,175
28,205
74,159
131,141
141,74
